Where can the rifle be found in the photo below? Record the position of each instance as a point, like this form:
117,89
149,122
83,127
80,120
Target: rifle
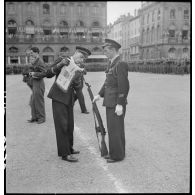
100,127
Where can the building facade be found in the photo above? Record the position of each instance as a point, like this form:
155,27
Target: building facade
165,30
131,36
157,30
126,30
53,27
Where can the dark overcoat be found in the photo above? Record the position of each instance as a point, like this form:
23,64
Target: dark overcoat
62,106
114,91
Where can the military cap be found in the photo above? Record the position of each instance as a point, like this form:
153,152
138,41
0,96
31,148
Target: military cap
83,50
112,43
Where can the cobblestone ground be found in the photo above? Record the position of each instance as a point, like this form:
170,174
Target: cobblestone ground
157,127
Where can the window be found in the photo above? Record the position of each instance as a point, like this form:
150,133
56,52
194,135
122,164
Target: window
186,14
63,24
29,7
64,49
158,33
29,23
30,28
80,24
95,10
184,34
147,36
185,50
46,9
48,49
95,24
13,49
148,17
11,7
80,9
143,35
62,9
143,20
47,31
152,34
96,49
172,14
158,16
171,33
153,16
12,27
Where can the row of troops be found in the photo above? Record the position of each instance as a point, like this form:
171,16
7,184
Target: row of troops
114,92
162,66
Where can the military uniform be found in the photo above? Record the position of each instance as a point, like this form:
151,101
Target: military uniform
38,90
62,106
114,91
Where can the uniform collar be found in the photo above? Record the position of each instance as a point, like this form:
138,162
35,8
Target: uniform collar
114,60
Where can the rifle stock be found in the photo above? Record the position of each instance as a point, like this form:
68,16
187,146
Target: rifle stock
100,128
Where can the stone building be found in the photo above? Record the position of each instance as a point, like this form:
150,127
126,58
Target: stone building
115,31
131,36
53,27
165,30
126,30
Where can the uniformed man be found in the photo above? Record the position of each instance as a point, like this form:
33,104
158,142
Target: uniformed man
62,105
114,91
38,87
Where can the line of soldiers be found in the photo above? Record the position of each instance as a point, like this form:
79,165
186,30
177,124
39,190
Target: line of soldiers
162,66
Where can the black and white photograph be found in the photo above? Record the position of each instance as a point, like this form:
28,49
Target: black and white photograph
97,97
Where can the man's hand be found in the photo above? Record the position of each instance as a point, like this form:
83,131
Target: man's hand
31,74
119,109
64,62
96,98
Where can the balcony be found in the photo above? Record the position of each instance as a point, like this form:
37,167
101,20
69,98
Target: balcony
38,38
186,41
172,40
80,39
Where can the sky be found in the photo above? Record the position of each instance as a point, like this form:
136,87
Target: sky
117,8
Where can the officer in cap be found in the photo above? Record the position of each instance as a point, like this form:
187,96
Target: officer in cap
62,105
114,91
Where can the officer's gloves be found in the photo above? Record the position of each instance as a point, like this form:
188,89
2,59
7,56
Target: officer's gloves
119,109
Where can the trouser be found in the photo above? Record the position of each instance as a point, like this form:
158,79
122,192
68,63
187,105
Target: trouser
64,126
81,99
116,133
37,100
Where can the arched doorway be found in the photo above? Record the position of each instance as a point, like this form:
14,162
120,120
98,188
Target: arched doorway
13,55
172,52
48,55
64,51
12,27
185,53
